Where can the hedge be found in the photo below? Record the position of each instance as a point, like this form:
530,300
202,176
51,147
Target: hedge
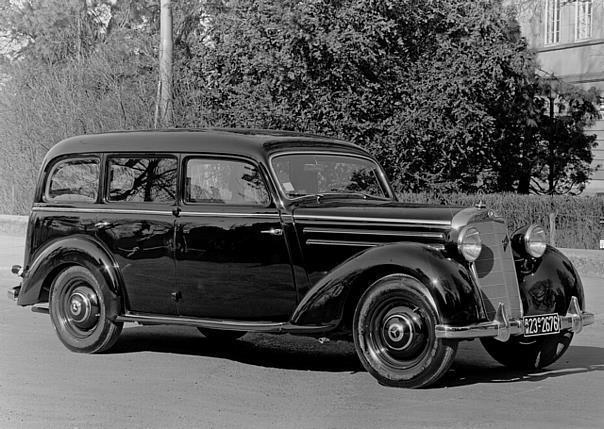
576,220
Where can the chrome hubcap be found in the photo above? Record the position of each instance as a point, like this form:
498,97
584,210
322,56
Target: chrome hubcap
82,308
400,336
398,331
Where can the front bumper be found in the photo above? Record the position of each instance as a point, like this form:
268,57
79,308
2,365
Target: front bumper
13,293
502,328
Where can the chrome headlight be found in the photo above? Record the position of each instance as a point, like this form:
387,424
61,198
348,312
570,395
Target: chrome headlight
534,241
469,243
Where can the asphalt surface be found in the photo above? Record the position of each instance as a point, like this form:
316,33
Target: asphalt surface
160,377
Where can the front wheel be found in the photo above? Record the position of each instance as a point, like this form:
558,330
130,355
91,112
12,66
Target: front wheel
528,353
78,310
394,334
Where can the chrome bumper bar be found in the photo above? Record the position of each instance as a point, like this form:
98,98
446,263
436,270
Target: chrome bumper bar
13,293
502,328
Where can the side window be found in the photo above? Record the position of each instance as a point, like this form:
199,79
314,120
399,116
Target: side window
224,182
137,179
73,180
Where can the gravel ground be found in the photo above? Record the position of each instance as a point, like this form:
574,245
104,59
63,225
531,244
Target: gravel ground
159,377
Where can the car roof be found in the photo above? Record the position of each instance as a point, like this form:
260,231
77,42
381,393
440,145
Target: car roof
253,143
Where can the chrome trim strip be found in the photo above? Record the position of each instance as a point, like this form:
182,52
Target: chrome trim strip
342,243
215,214
312,242
376,220
228,325
501,328
473,215
152,212
437,235
99,209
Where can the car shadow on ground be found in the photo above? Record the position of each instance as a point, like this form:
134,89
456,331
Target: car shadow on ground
300,353
577,360
276,351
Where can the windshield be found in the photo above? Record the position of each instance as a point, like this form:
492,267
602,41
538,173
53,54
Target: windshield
309,174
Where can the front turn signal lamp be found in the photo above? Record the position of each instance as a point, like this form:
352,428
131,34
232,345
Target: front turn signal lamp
532,240
469,243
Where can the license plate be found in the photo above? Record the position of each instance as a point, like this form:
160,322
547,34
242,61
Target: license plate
543,324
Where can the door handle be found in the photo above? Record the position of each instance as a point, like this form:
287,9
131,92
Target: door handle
273,231
103,225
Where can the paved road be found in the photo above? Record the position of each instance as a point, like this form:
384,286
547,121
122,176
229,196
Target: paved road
172,377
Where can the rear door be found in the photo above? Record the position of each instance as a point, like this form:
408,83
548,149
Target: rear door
232,260
136,222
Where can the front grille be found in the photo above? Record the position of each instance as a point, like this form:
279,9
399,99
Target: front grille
495,269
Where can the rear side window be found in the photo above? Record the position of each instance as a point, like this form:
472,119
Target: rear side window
224,181
73,180
142,179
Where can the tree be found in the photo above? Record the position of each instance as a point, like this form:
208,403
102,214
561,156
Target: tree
164,110
443,93
564,151
99,77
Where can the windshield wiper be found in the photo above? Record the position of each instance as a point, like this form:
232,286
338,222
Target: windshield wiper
333,195
351,195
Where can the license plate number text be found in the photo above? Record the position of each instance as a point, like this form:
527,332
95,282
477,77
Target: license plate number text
543,324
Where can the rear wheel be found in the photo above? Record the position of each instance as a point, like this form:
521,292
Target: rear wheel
394,334
528,353
220,335
78,310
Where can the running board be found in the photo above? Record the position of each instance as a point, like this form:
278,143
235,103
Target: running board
227,325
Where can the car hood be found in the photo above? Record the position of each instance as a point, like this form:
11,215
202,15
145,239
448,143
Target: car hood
374,212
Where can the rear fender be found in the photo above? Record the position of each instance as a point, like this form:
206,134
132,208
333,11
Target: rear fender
448,282
62,253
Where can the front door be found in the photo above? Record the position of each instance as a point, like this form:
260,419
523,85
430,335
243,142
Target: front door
232,260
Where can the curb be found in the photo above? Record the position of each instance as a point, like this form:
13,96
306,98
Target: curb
13,225
587,262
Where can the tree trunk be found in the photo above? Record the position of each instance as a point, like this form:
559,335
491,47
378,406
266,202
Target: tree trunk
524,183
164,112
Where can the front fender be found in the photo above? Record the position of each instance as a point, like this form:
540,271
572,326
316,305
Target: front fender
547,284
64,252
449,282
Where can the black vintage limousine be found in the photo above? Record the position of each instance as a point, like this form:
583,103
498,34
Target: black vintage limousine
236,231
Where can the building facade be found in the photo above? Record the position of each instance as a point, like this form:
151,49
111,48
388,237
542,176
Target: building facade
568,36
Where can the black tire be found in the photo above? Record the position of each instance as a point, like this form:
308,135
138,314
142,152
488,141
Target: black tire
78,310
218,335
394,334
528,353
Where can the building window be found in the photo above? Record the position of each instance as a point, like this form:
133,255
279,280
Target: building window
583,10
552,21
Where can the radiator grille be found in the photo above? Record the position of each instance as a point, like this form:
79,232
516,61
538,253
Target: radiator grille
495,269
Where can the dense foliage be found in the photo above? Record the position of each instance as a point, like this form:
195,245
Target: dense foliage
445,93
